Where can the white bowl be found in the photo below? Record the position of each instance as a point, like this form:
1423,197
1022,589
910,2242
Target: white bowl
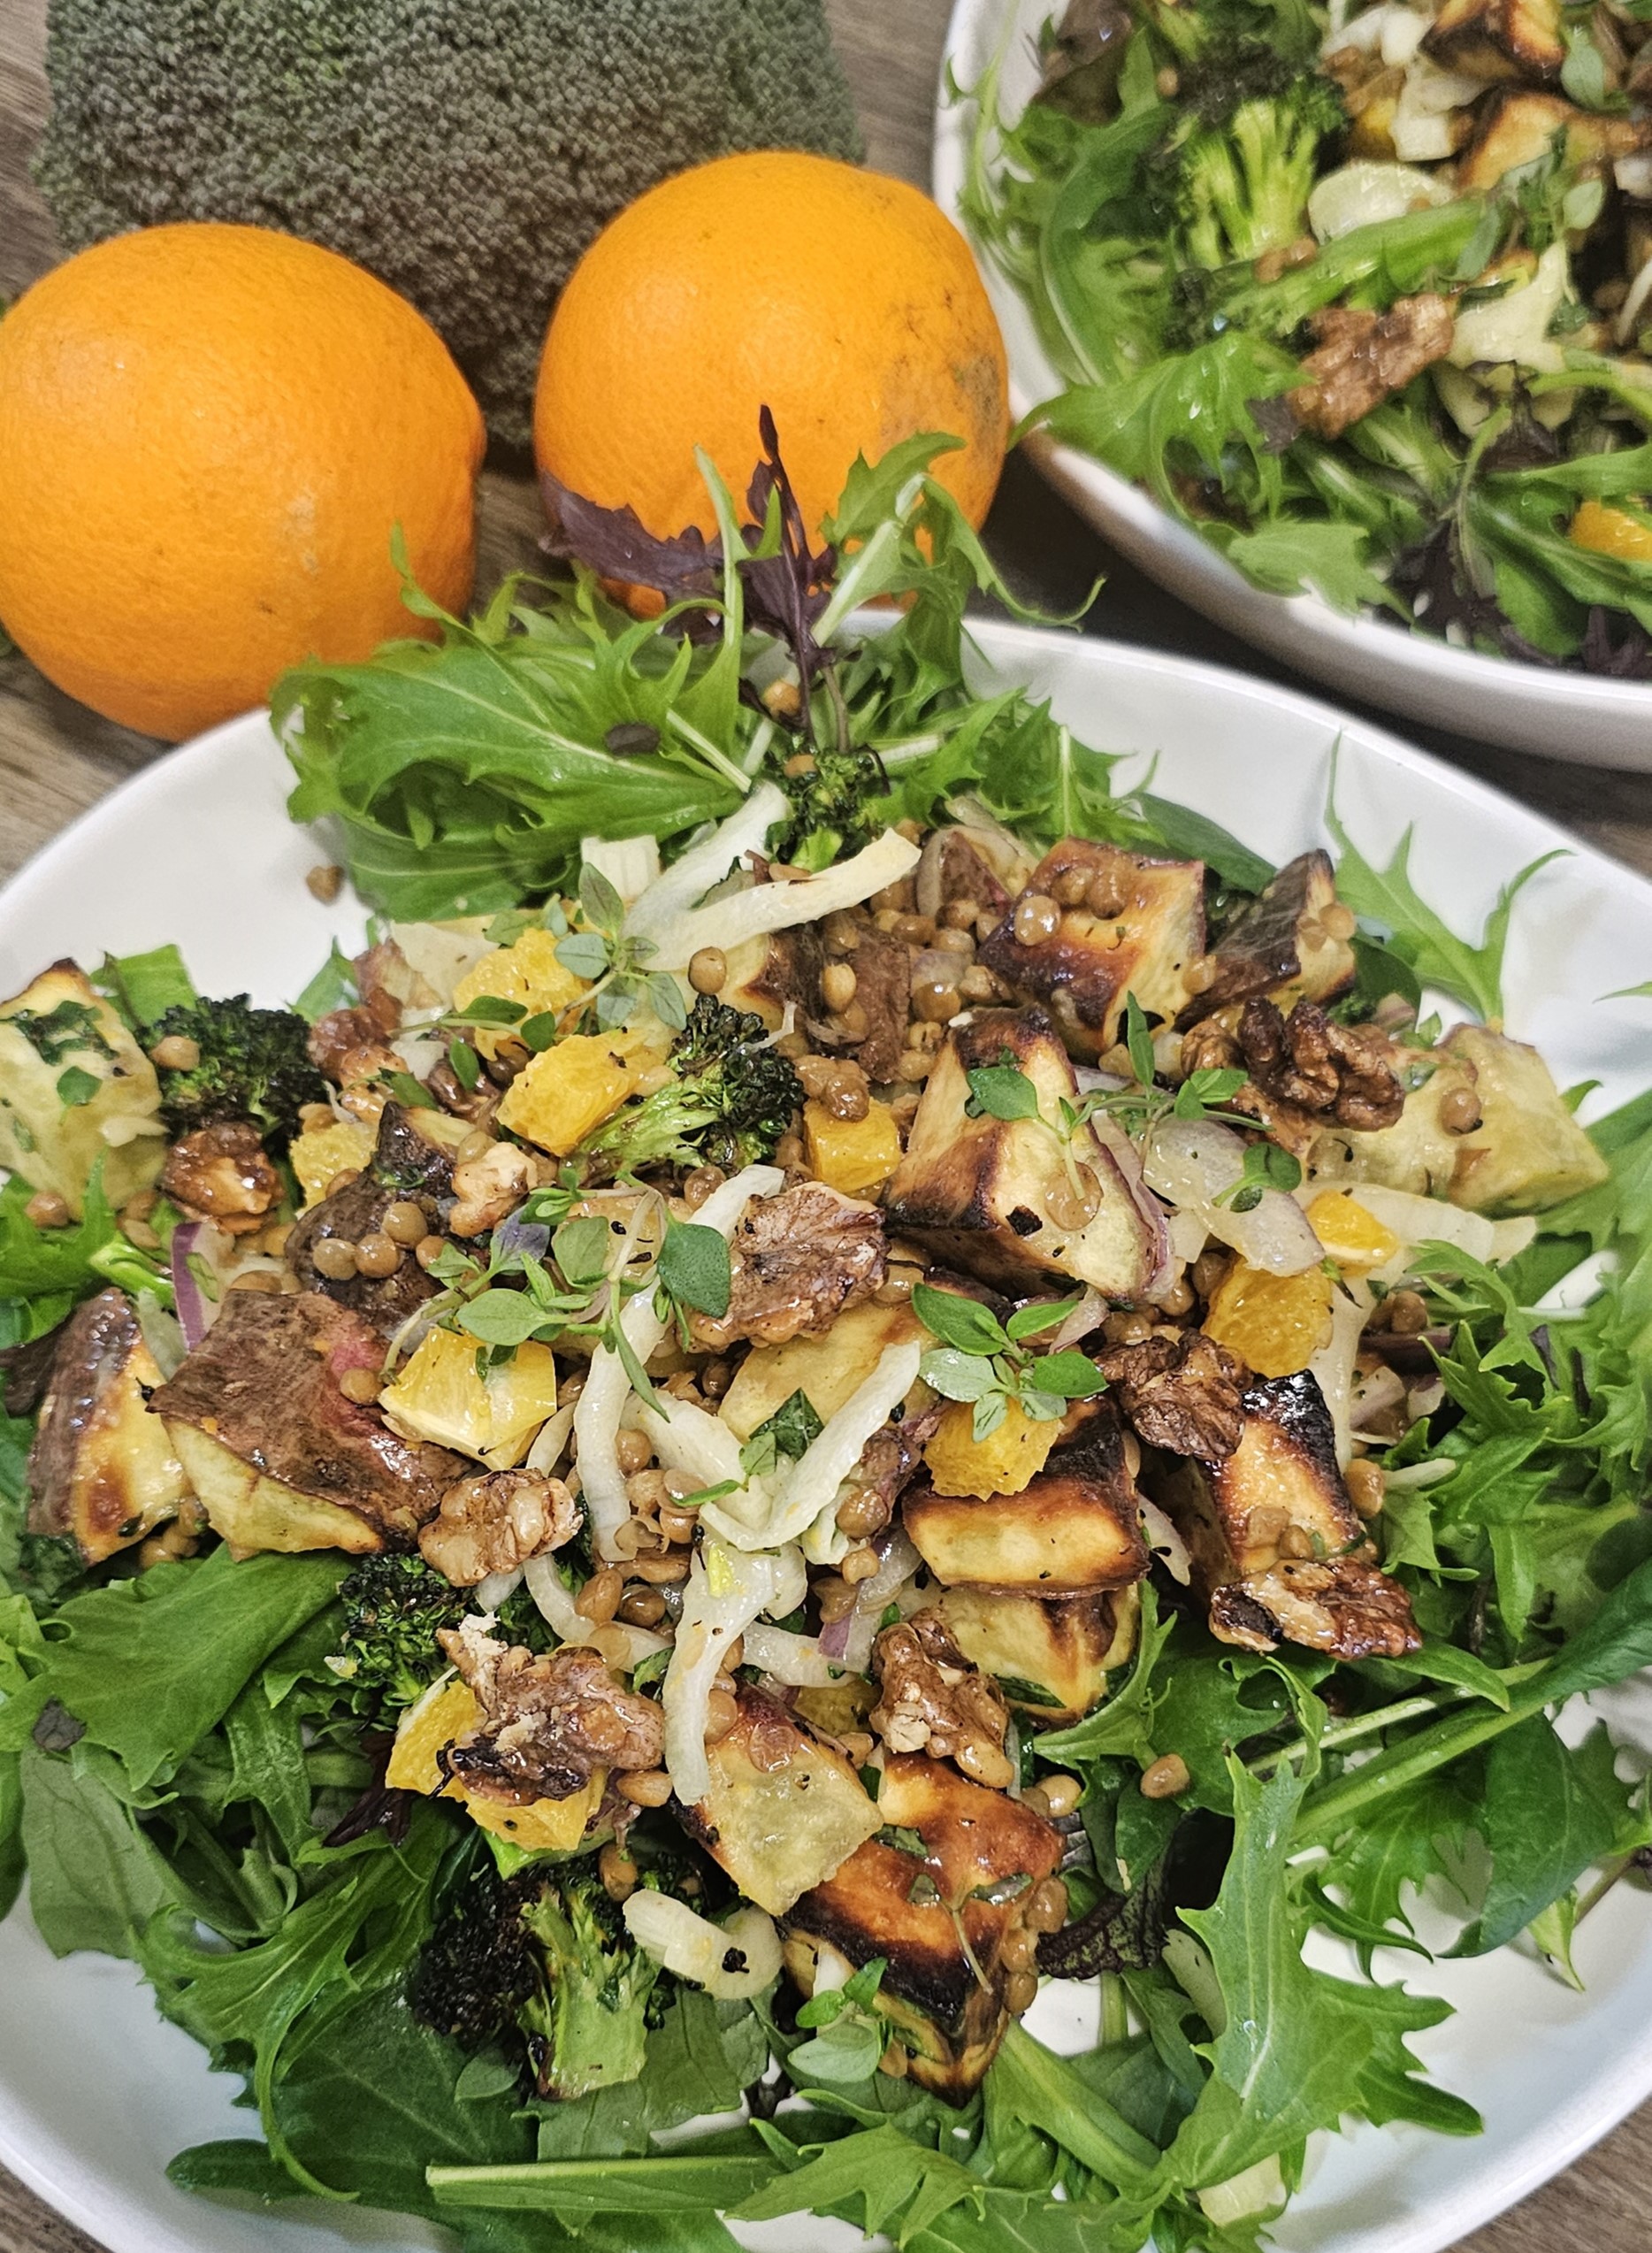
1560,715
97,2094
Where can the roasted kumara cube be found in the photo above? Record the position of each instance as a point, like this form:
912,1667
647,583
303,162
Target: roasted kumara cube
101,1469
1277,1548
1499,39
1051,1658
1278,946
784,1811
1518,126
978,1190
1071,1530
1419,1153
939,1919
1528,1151
277,1455
1128,925
76,1092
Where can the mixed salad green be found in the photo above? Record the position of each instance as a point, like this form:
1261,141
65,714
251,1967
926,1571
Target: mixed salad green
487,1963
1359,293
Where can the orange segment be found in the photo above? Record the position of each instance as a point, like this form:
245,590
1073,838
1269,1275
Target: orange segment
1352,1236
1276,1323
1625,533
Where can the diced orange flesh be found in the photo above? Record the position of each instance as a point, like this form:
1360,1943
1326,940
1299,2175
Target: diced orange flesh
1005,1462
853,1156
1354,1237
1612,532
1275,1323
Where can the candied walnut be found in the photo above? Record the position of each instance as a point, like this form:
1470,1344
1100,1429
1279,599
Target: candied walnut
797,1260
1364,357
489,1187
1343,1606
934,1701
1184,1394
495,1521
221,1173
1309,1064
342,1031
547,1724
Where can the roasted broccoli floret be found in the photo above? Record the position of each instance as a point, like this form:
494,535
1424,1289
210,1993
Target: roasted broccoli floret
542,1965
466,151
732,1097
1244,185
255,1064
393,1609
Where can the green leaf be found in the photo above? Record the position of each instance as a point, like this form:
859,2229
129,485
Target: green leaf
491,1010
332,987
1189,836
75,1087
581,1248
583,952
412,1093
464,1064
958,1322
694,1268
151,984
1548,1815
1124,1724
505,1318
1071,1375
1002,1092
1470,974
1139,1041
958,1376
94,1879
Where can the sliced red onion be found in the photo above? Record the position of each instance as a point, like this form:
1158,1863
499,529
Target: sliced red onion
515,1240
899,1561
1088,1316
187,1296
1166,1544
1128,1158
1195,1163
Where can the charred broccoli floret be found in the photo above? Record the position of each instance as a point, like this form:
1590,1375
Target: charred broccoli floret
732,1097
255,1064
393,1609
542,1965
1244,185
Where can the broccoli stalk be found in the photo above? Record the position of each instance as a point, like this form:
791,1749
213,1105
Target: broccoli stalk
730,1098
253,1064
586,2026
541,1963
1244,186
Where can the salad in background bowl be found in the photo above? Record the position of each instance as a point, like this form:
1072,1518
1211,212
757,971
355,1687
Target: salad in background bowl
1350,303
852,1461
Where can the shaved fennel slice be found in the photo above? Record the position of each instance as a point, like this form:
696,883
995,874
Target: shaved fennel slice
732,1961
601,1404
630,864
555,1604
726,1592
1195,1163
689,878
692,1440
1426,1219
728,923
795,1660
813,1483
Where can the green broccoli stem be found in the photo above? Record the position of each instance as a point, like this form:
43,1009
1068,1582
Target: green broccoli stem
587,2029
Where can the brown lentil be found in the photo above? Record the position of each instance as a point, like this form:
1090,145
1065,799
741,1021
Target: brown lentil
360,1385
733,1657
859,1565
700,1185
721,1713
1460,1111
1179,1298
960,915
1337,922
1209,1271
1075,1203
841,932
715,1378
1406,1313
645,1787
376,1255
661,1572
835,1597
141,1234
708,969
917,931
314,1117
838,983
913,1065
255,1279
642,1607
646,1490
334,1257
273,1237
894,2061
800,764
678,1526
1020,1992
1037,918
46,1209
476,1145
863,1513
789,1152
1168,1778
618,1872
176,1054
933,1001
955,942
1062,1793
152,1553
429,1249
325,881
599,1600
1018,1951
404,1221
634,1451
1126,1326
1295,1541
1367,1484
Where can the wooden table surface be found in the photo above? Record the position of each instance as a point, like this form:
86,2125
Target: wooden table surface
56,759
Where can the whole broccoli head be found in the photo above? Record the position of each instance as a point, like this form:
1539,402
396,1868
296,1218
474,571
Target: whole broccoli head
255,1064
731,1097
542,1965
394,1607
466,151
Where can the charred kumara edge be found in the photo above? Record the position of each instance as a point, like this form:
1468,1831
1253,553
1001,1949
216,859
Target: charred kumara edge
974,1191
1233,1514
974,1840
1499,39
1053,1658
1154,930
277,1455
1276,947
101,1469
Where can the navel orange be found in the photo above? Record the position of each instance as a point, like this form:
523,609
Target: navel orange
842,300
208,435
